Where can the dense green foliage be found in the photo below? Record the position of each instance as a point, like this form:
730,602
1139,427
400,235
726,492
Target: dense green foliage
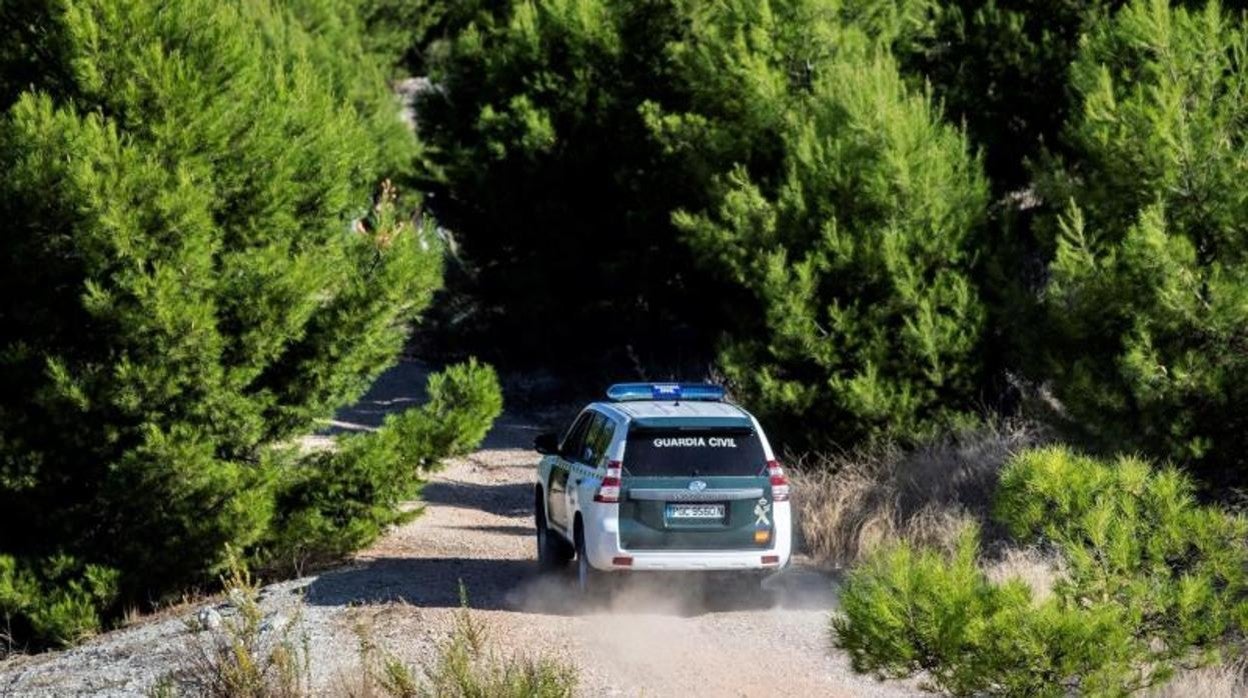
858,250
544,168
906,610
827,215
57,600
1147,301
338,500
1153,581
1000,67
867,217
669,173
1134,536
192,273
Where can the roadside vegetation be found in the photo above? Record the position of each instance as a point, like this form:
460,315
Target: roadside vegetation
246,653
849,504
1151,582
467,664
243,654
204,258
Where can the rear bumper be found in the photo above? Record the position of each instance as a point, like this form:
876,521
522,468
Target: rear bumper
602,542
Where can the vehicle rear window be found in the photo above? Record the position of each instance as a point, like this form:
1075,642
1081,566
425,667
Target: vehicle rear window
693,452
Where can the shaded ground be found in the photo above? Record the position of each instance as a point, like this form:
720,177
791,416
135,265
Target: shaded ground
659,636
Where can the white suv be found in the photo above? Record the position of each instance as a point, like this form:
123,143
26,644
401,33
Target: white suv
661,477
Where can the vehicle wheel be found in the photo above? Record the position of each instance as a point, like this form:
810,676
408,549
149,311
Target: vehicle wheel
553,553
591,582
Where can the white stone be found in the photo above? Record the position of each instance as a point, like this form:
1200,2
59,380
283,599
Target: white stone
209,618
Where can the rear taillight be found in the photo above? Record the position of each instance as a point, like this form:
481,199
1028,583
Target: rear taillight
779,483
609,490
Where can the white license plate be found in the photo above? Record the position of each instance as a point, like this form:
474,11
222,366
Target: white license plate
695,511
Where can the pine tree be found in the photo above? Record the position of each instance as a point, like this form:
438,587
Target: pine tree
1000,67
1147,301
191,272
851,227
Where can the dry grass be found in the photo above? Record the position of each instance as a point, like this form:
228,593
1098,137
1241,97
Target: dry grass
247,656
848,504
1038,569
466,666
1228,680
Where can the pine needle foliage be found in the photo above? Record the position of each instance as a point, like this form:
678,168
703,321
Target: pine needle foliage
1154,582
336,501
1136,537
57,599
910,609
853,238
198,262
1147,297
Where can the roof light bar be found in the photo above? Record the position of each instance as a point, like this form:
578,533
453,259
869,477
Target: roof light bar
665,391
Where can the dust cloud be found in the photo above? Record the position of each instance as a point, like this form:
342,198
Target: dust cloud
686,633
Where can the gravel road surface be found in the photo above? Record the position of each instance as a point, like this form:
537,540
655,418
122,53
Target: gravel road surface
657,637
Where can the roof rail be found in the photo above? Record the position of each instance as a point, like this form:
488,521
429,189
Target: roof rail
621,392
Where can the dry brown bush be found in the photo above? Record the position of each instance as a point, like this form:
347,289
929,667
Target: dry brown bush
848,504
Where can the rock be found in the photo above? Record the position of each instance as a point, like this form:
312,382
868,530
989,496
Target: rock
209,619
277,623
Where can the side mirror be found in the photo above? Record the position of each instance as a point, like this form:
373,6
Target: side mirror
546,444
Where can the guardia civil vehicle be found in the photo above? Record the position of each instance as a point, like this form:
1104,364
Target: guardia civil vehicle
661,477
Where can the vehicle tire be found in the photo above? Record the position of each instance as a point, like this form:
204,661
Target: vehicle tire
591,583
553,552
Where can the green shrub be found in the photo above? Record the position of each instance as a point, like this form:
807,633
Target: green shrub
1136,537
463,401
57,600
191,271
339,500
1153,582
1147,293
857,250
907,610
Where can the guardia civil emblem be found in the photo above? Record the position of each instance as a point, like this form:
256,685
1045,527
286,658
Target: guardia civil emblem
760,512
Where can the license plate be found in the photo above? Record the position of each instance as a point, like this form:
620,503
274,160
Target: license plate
695,511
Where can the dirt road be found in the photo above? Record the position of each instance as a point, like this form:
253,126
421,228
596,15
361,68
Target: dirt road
659,637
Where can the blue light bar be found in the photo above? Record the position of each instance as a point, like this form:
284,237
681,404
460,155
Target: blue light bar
665,391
